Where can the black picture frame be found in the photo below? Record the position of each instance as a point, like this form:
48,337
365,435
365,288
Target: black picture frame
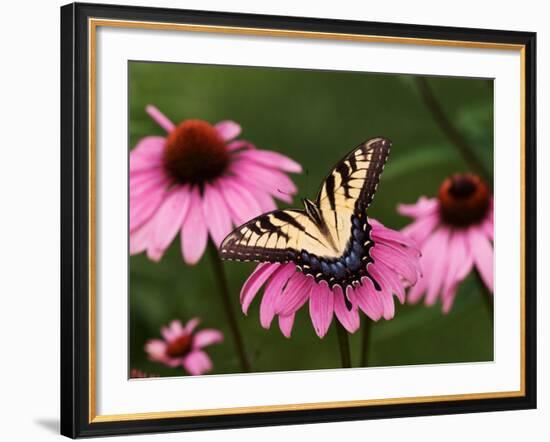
75,195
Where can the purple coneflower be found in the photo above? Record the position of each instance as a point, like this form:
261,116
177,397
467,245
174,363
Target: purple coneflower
136,373
182,346
455,234
197,181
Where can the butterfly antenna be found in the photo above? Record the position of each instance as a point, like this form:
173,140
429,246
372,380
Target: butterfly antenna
306,173
284,192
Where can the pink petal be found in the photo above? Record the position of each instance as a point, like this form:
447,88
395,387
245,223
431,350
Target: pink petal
237,145
424,206
154,254
228,130
173,331
194,233
169,218
435,267
397,260
216,214
143,183
482,252
285,324
140,237
368,300
206,337
271,159
150,145
176,327
422,228
191,325
431,253
449,299
173,362
487,225
348,318
197,362
147,154
416,292
385,292
457,255
166,333
266,202
395,285
254,282
294,295
156,349
270,180
144,207
241,202
161,119
383,234
273,291
321,308
488,228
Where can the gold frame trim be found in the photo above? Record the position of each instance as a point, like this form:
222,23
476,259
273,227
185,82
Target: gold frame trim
93,24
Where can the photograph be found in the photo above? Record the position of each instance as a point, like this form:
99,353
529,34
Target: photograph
304,219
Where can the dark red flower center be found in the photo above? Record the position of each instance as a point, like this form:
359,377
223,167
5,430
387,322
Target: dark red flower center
179,347
463,199
195,153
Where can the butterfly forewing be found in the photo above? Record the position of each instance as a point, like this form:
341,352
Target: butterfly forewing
352,184
275,237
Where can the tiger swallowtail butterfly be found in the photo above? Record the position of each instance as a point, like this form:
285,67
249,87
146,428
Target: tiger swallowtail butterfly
330,238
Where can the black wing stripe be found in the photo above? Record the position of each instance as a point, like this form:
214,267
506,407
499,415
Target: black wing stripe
257,230
353,163
267,225
329,183
343,170
283,216
379,151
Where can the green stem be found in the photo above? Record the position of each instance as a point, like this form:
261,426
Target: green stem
365,342
343,342
219,274
450,131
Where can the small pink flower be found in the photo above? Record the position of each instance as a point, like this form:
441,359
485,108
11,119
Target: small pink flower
198,181
181,346
455,233
287,289
136,373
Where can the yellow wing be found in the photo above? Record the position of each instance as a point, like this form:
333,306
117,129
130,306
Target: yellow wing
277,236
351,185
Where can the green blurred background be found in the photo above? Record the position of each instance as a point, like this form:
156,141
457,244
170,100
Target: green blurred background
314,117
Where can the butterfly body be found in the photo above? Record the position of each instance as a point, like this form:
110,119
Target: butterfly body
330,239
346,269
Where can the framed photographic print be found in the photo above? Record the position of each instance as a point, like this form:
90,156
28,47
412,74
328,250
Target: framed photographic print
278,220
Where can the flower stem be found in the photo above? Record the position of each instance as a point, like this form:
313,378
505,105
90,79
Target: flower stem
343,342
450,131
220,275
365,343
